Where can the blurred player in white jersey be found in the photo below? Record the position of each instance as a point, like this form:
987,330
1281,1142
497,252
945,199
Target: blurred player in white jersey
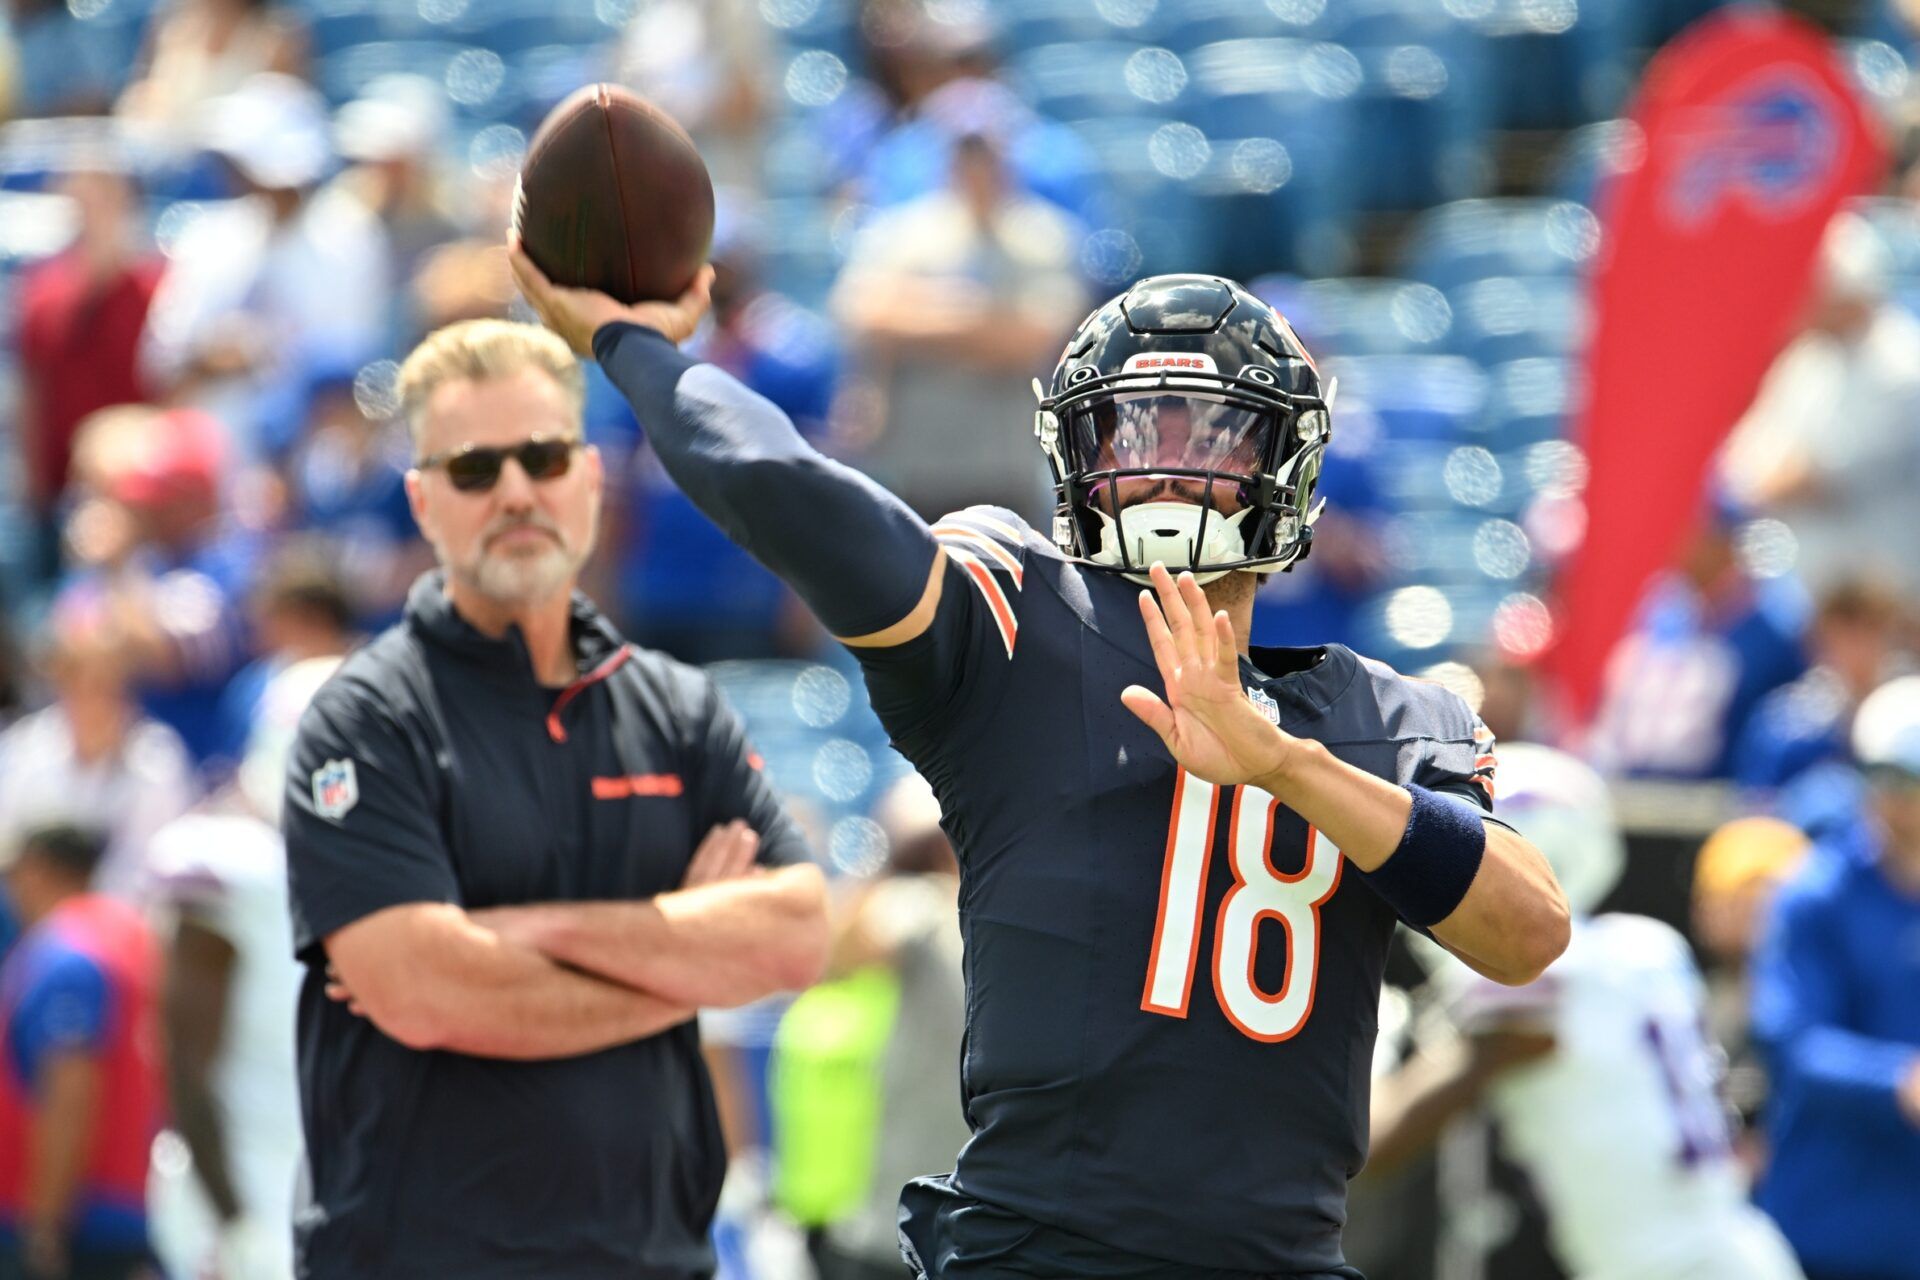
1601,1075
222,1186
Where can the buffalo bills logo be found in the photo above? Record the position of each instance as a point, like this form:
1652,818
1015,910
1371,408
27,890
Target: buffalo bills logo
1772,142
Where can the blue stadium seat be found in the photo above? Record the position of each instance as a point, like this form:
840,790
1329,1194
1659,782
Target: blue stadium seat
1515,317
1473,239
801,254
1587,157
1415,397
538,78
832,25
343,75
1141,206
1278,180
1553,64
515,26
813,726
1661,20
1079,80
1529,403
1420,125
1027,24
334,25
1369,316
1189,24
1388,22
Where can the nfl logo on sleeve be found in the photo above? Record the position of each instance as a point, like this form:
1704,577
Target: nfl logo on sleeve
335,789
1264,702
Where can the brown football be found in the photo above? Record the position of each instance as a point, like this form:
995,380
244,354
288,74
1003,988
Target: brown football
613,196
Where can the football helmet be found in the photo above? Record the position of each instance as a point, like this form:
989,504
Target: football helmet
1184,423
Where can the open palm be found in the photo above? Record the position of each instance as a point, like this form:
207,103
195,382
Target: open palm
1205,717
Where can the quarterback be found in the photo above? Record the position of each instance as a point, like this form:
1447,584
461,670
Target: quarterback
1182,858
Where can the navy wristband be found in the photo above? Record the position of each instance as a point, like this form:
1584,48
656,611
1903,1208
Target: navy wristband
1434,864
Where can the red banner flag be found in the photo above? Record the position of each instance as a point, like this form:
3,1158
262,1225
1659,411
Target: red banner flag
1749,138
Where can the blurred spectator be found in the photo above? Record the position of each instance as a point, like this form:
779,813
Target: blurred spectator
1598,1071
264,288
1829,444
705,62
685,587
951,303
1710,641
460,280
392,135
1509,698
79,1089
155,556
1044,158
81,316
299,612
348,476
908,923
905,57
1739,870
1318,600
223,1206
58,67
92,757
199,50
1855,635
1836,1010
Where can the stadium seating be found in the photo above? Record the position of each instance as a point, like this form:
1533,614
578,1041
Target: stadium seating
1087,80
1506,318
1469,240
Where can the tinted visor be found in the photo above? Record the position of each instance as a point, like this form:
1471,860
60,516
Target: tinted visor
1154,434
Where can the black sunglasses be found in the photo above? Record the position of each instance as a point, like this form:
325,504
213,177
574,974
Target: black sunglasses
475,468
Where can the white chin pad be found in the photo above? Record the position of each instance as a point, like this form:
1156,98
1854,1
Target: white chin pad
1168,532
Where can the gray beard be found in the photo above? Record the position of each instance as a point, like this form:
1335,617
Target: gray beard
512,581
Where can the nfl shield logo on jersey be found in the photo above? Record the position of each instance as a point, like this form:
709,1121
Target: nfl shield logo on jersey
1266,705
335,789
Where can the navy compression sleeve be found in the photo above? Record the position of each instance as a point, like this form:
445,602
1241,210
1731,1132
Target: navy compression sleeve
856,554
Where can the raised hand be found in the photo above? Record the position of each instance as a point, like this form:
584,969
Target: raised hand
1205,717
576,314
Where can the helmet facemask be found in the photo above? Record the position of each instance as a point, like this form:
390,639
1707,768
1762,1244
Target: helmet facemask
1195,470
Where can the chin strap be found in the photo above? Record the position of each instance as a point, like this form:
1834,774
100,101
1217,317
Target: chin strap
1169,532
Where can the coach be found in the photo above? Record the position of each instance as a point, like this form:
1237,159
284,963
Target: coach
528,852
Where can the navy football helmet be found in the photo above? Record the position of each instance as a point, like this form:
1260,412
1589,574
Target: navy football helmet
1185,423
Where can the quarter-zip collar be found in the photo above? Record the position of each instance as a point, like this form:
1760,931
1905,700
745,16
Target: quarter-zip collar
430,612
598,649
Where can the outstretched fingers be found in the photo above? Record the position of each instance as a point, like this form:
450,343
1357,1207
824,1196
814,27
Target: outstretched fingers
1179,616
1159,638
1226,654
1154,713
1200,614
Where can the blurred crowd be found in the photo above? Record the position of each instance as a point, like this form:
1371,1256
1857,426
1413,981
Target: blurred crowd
223,221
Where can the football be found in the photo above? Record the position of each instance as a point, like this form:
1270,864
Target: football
613,196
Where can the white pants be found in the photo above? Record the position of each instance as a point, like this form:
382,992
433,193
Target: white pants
1744,1246
185,1230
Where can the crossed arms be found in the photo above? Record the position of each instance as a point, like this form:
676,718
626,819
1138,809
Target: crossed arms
555,980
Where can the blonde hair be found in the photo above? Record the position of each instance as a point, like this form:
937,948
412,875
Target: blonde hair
475,350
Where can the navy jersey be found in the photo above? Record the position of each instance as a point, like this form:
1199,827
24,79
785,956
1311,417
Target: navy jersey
1172,987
